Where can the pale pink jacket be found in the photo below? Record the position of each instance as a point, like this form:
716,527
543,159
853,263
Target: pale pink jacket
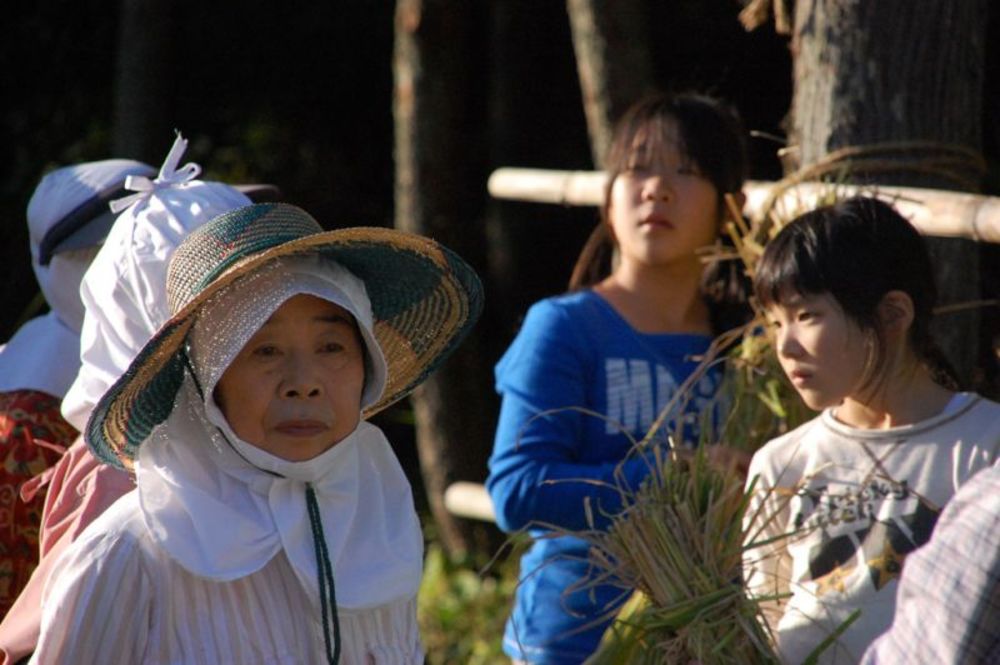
80,488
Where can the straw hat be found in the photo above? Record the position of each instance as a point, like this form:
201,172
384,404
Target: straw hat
424,298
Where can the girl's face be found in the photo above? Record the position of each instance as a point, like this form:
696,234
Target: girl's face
821,351
661,209
294,390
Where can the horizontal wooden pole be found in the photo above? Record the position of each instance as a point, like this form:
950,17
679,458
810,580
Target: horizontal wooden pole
574,188
933,212
466,499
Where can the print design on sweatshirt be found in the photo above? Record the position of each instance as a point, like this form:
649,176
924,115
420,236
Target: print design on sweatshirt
637,390
881,530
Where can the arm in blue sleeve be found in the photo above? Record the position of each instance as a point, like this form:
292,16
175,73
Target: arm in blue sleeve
536,475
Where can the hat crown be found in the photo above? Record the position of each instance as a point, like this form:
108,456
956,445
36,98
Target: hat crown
63,189
72,197
228,240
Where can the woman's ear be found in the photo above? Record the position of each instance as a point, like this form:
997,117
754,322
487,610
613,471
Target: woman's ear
895,313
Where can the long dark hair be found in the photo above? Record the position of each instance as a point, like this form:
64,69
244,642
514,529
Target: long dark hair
857,250
713,138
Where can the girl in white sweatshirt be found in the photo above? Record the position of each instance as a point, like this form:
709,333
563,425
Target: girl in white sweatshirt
842,500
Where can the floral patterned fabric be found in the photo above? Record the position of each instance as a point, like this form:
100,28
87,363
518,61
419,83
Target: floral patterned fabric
33,435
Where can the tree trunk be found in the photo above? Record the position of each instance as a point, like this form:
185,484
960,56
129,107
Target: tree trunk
535,117
144,80
884,76
438,194
614,62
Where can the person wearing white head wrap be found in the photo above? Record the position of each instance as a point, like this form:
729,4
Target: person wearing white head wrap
196,470
272,522
123,293
220,522
65,214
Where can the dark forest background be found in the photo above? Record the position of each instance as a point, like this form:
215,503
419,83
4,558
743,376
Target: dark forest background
300,94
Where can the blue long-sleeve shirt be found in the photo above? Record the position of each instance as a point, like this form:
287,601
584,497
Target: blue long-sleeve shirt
551,462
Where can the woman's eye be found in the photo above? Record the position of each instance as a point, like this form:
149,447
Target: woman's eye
806,315
266,351
332,347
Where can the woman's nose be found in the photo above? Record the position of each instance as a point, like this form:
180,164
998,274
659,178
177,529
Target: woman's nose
301,379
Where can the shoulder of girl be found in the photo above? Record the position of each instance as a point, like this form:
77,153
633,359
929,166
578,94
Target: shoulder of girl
985,403
570,302
549,324
789,443
982,410
563,311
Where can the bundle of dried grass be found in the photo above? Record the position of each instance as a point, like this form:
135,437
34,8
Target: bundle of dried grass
680,543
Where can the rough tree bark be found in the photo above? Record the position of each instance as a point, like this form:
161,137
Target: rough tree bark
877,73
614,62
535,118
438,194
144,80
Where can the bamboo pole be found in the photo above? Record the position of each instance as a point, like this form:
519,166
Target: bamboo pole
574,188
466,499
933,212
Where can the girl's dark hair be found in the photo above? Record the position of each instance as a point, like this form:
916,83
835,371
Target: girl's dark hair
857,250
713,138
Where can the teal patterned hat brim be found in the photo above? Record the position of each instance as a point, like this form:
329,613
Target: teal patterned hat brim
424,298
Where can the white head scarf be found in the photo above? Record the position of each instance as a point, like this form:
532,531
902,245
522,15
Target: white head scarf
124,290
222,508
44,354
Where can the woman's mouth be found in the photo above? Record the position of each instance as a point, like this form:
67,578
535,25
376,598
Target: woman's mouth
301,428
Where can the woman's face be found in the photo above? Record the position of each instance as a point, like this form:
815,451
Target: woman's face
294,390
662,209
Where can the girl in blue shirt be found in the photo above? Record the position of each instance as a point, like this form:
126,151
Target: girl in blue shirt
590,370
